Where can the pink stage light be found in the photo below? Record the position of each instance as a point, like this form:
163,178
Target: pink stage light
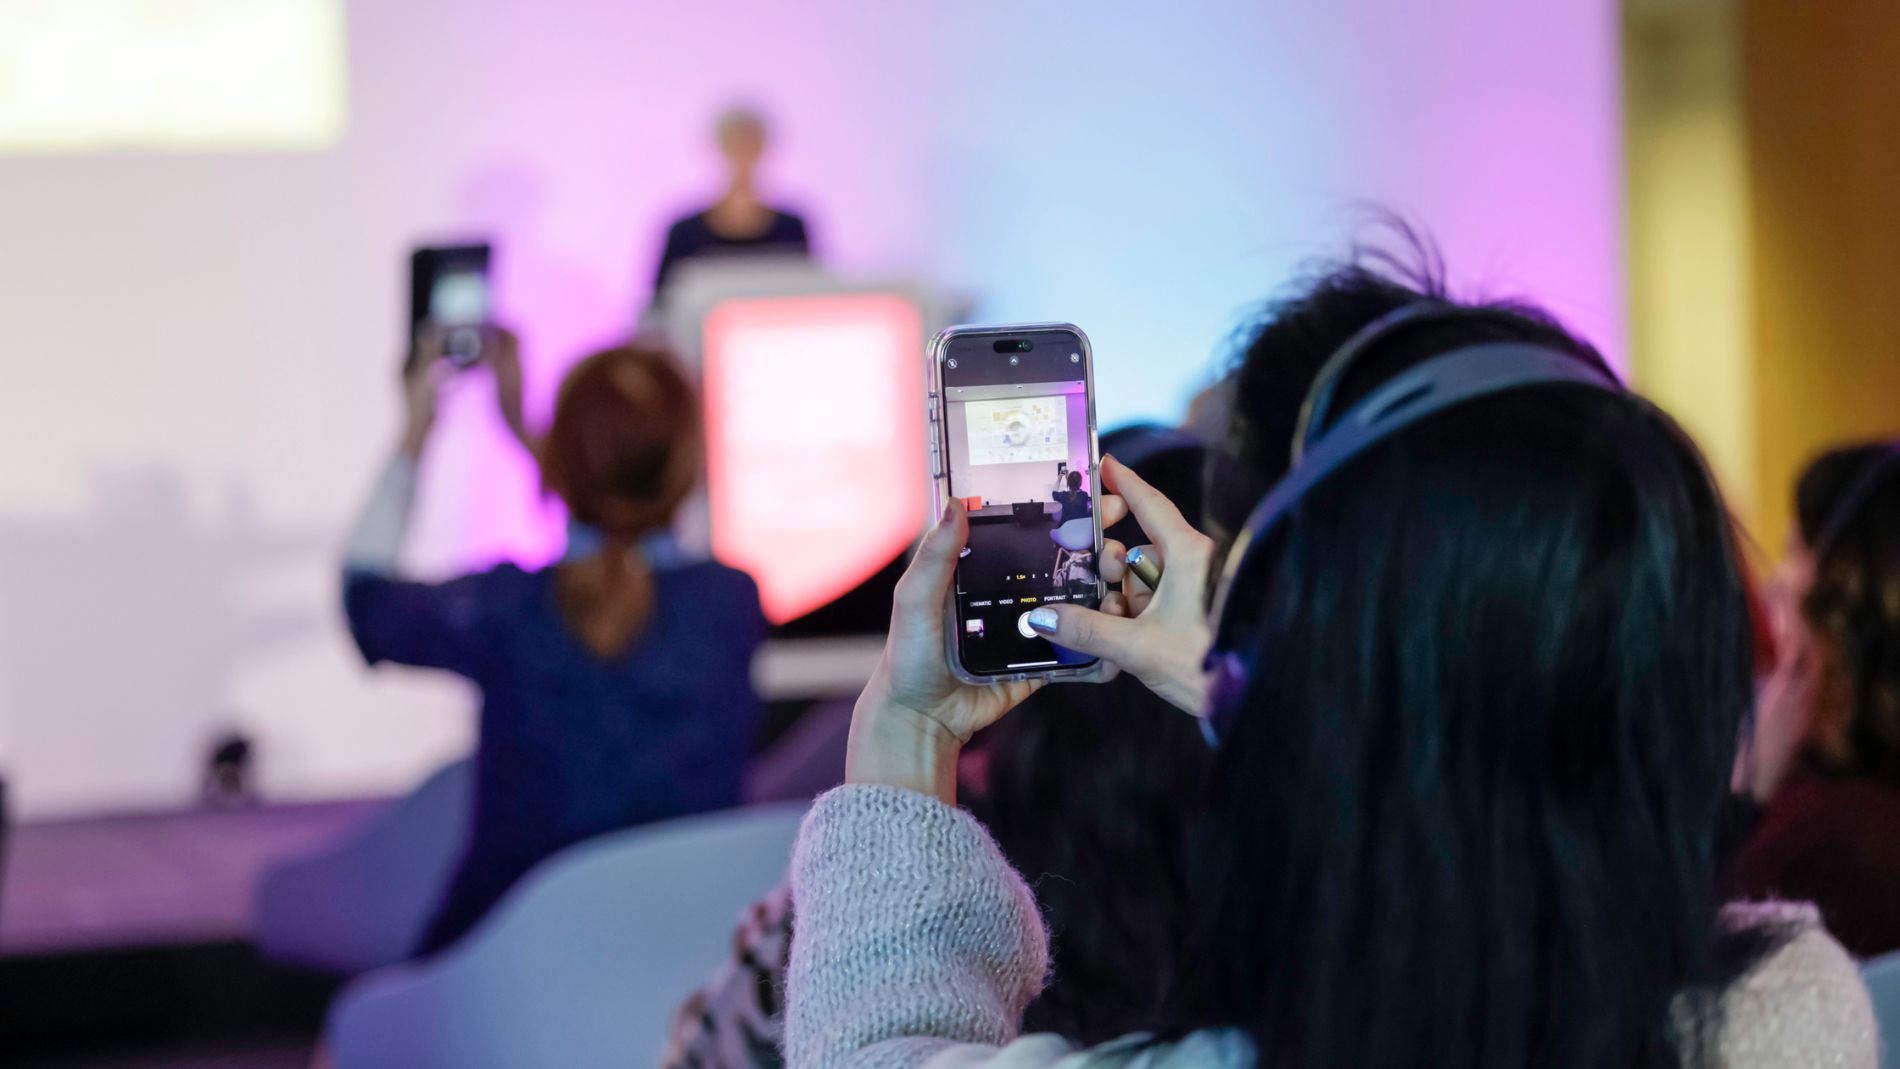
815,441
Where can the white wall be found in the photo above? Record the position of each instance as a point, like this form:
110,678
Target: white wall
198,351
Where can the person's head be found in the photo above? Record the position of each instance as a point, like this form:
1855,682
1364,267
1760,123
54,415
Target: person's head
1466,813
623,452
741,135
1847,516
1281,351
1075,480
624,448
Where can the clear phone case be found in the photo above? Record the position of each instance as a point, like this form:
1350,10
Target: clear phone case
936,427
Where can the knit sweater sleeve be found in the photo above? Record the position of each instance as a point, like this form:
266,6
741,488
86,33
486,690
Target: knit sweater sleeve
1804,1006
915,938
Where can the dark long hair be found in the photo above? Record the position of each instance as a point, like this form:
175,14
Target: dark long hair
1468,814
1853,609
1091,794
1280,349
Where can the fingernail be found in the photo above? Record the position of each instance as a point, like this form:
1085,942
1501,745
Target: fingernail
1044,621
949,509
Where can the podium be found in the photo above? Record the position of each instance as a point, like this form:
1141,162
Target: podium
816,443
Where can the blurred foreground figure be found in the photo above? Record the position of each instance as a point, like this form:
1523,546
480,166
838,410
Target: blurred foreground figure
1826,762
616,686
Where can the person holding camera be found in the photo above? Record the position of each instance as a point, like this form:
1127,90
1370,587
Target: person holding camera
616,685
1073,499
1476,686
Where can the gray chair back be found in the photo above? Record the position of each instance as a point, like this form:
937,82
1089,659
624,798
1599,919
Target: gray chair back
364,903
583,962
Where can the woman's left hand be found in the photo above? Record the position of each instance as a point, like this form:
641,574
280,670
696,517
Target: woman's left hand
504,355
915,715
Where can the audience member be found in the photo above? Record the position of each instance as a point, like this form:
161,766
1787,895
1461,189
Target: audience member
1074,500
739,222
616,686
1477,729
1084,790
1826,760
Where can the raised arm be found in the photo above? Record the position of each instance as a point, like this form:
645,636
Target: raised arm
392,618
915,938
382,527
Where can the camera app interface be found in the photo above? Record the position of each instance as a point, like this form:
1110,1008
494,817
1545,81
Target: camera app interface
1016,439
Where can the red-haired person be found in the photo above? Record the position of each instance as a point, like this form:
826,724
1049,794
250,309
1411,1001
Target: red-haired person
616,686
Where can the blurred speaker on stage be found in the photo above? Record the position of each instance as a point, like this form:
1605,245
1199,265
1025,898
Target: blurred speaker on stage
740,222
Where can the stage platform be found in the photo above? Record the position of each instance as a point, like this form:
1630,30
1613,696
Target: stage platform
125,941
150,880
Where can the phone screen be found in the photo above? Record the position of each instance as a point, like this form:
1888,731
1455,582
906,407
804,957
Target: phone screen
1017,436
459,298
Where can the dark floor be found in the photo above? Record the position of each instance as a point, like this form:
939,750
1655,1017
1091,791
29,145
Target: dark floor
263,1056
1000,548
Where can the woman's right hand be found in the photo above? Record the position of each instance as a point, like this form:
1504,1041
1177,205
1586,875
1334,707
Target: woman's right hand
1160,636
914,716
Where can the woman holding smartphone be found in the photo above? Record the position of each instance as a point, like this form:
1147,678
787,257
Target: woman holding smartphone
616,685
1477,708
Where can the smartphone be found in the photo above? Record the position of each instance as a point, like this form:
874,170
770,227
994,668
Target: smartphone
449,288
1007,402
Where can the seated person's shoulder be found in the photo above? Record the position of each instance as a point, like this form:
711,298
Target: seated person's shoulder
511,579
1803,1003
508,589
688,226
726,585
724,575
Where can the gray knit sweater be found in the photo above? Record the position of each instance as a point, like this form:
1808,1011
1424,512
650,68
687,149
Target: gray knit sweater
918,948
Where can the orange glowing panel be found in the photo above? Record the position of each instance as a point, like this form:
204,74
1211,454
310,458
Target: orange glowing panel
815,440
